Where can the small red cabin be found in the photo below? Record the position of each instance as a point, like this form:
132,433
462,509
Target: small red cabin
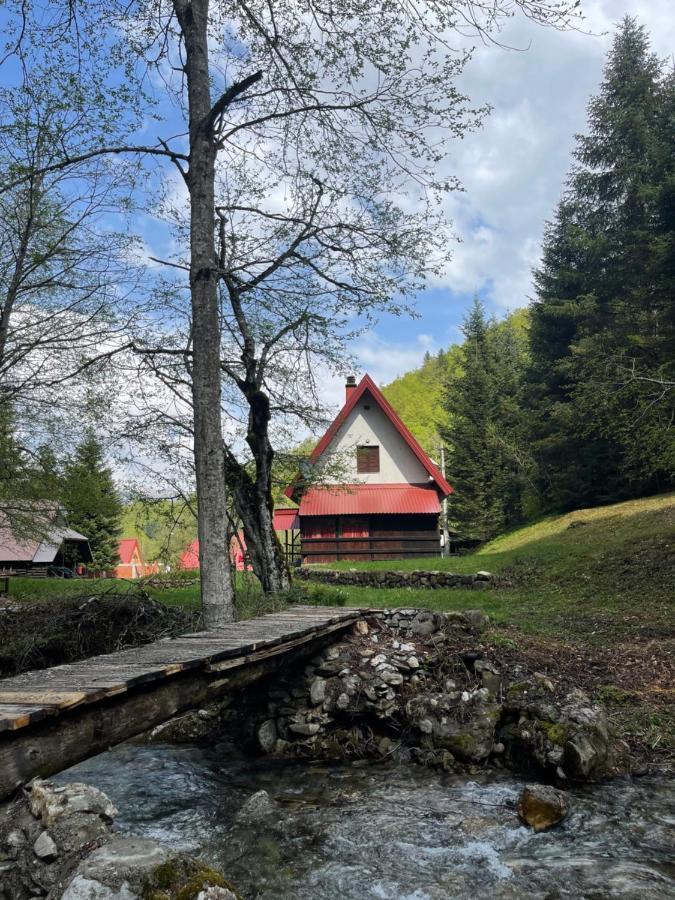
132,564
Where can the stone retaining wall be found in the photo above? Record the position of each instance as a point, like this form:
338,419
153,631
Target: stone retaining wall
419,578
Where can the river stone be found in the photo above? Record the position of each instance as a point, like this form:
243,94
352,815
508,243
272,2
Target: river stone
317,691
307,729
258,808
267,735
117,870
82,888
424,623
45,848
592,750
489,675
542,806
15,840
413,662
49,802
477,619
351,683
216,893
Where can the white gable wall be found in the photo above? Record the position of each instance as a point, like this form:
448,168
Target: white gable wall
398,464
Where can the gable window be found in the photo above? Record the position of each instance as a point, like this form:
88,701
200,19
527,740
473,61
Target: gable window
367,459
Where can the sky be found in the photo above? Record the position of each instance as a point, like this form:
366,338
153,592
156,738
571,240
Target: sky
512,170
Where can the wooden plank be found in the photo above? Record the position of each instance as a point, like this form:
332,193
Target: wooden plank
59,699
14,715
311,614
268,653
128,675
30,697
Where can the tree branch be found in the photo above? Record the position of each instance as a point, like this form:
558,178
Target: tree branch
91,154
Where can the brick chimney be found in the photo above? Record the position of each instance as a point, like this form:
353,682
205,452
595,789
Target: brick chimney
350,387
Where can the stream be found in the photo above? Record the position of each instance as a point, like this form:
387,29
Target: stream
386,831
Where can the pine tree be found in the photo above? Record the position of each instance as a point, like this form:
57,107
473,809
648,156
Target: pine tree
481,402
603,317
91,501
46,475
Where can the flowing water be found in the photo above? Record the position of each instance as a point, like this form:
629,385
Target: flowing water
388,832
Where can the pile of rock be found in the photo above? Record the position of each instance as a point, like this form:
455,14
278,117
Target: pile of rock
419,578
420,684
43,834
56,841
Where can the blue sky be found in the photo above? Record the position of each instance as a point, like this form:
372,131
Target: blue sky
512,171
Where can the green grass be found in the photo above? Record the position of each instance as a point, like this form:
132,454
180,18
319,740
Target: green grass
175,594
34,590
577,574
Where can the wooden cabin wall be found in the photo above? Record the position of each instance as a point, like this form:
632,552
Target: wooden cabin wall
332,538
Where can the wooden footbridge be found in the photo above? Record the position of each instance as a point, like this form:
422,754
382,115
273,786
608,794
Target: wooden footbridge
53,718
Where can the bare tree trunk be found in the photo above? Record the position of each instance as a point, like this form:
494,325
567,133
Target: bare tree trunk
216,581
262,544
253,498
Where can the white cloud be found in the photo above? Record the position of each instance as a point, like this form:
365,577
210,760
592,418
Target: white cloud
385,360
513,169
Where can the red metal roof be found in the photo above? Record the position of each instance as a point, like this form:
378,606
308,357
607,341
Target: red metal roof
368,385
126,549
374,499
286,519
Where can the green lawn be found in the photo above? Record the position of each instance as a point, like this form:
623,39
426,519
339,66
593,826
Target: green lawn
581,574
35,590
176,593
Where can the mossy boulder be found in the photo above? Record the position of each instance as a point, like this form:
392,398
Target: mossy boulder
184,878
464,724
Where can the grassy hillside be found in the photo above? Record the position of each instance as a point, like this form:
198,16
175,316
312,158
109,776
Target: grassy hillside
568,570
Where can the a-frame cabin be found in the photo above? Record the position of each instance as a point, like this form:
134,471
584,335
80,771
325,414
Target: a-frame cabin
387,499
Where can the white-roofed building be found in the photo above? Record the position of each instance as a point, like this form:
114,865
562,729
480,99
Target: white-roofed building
46,541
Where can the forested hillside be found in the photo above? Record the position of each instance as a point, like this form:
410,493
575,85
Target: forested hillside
417,396
163,529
